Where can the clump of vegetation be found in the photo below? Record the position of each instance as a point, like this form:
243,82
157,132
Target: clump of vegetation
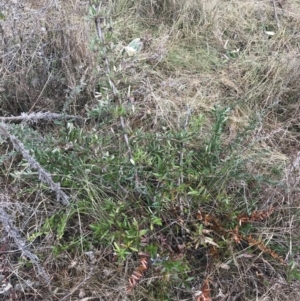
149,150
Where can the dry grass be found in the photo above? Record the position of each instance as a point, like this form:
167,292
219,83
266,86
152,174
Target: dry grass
242,55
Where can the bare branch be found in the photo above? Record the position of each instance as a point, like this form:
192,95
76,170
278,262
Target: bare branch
13,232
35,117
276,15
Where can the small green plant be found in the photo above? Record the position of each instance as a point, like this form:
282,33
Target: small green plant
124,232
121,252
293,272
56,225
214,145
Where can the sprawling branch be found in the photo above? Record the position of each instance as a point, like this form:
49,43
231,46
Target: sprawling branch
35,117
13,232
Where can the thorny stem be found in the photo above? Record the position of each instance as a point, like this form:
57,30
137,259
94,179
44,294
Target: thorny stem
13,232
44,176
34,117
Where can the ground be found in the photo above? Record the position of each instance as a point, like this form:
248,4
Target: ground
149,150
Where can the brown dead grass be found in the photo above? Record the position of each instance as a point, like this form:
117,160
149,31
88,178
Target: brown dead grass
46,59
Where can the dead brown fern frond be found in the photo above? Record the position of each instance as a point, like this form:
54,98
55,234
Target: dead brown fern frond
139,272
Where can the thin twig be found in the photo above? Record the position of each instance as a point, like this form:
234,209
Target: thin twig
44,176
180,180
276,15
73,290
41,93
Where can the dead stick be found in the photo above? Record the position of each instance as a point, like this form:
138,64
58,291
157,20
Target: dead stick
13,232
180,180
34,117
275,13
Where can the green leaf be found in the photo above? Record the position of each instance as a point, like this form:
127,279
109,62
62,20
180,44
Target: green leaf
117,247
136,44
193,192
134,47
2,16
143,232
